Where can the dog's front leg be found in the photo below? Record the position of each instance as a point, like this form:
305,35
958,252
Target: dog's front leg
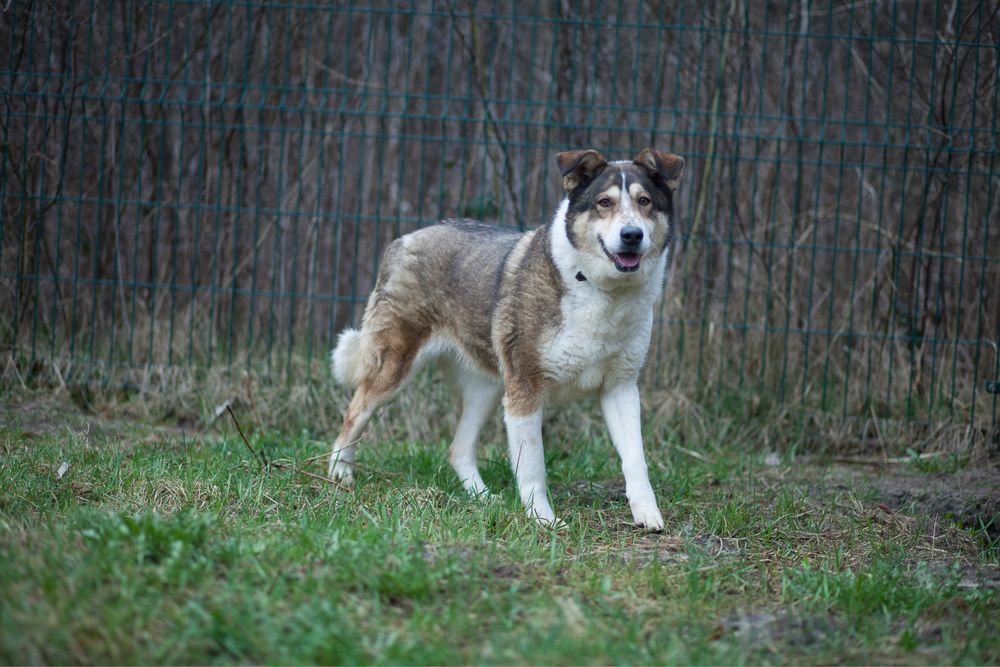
621,412
524,437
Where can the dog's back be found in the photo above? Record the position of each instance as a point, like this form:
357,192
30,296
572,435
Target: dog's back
440,282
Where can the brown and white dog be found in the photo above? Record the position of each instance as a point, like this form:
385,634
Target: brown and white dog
536,318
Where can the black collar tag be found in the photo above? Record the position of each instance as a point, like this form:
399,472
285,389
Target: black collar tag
580,276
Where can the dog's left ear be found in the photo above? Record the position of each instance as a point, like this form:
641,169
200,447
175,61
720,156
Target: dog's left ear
579,167
665,167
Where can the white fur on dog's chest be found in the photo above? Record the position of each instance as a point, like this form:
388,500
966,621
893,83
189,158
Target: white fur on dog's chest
603,334
600,338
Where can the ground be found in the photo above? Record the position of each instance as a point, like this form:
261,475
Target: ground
124,541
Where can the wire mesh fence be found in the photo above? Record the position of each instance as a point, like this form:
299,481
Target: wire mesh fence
212,183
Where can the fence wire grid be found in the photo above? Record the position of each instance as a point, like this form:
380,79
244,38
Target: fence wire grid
204,184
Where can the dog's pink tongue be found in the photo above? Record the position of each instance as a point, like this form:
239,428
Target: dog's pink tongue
628,259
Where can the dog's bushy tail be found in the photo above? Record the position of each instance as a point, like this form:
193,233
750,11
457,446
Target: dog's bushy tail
345,360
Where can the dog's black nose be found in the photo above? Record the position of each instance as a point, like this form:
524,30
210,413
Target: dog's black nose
631,235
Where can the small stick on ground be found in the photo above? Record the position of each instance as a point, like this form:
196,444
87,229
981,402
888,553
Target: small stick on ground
258,456
264,463
877,460
285,466
357,466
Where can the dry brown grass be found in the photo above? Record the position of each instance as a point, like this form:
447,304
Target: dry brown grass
304,397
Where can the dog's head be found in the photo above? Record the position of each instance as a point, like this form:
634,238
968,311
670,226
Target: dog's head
619,213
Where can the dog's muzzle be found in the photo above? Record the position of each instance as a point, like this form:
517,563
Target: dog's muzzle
629,254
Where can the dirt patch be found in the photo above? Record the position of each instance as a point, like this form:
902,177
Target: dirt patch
757,628
45,414
968,497
588,493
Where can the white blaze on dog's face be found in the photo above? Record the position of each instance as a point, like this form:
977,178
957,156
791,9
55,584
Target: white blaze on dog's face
619,214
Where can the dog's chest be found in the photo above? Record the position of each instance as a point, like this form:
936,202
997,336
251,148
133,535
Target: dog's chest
599,338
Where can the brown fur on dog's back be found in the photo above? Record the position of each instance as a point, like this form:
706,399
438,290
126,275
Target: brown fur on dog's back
440,280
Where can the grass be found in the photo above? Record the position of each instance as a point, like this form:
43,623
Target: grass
156,546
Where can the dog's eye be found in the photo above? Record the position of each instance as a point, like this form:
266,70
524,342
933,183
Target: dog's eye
605,202
645,201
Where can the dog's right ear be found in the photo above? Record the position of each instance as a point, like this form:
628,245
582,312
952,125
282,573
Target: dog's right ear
579,167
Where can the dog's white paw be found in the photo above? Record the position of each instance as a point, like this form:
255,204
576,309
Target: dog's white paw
342,472
647,515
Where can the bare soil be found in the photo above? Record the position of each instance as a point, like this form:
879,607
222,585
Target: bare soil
970,497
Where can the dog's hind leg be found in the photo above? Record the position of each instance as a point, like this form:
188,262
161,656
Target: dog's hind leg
390,353
360,410
480,397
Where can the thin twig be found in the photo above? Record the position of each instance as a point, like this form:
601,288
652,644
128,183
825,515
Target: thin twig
313,459
264,463
354,464
878,460
329,480
258,456
691,452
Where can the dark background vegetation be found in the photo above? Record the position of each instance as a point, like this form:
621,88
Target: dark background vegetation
211,184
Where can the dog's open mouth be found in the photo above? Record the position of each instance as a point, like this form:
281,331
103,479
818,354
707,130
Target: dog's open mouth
624,261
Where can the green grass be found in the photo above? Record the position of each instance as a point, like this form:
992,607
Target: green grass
158,547
948,463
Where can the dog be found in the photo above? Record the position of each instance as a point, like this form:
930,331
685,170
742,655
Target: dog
527,319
